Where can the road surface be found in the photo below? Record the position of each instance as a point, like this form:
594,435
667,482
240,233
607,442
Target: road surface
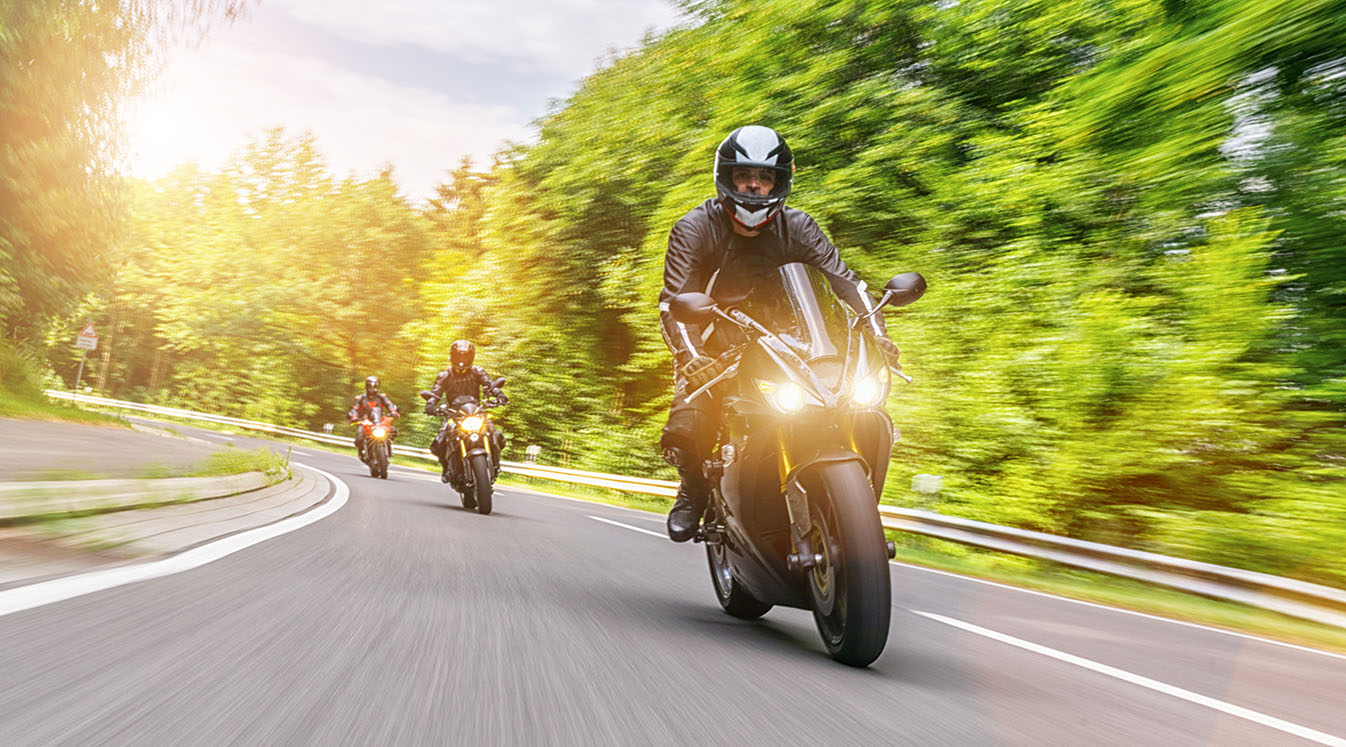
402,619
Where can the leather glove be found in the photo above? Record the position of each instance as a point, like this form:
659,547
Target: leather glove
890,351
698,371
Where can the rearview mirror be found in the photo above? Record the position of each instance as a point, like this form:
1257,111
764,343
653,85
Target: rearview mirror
904,289
692,308
426,394
499,382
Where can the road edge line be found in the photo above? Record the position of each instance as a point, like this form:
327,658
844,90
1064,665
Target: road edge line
42,593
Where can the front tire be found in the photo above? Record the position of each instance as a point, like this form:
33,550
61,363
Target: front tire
367,456
379,465
851,590
481,479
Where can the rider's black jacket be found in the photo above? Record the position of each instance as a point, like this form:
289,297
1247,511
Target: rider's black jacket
364,402
706,256
450,385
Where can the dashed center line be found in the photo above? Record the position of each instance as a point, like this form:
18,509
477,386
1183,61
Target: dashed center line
628,526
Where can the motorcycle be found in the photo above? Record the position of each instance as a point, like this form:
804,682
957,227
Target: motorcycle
472,444
801,457
377,446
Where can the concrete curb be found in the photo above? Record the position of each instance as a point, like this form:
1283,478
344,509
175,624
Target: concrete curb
22,501
43,551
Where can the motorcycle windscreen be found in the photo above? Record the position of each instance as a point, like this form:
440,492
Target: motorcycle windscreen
798,304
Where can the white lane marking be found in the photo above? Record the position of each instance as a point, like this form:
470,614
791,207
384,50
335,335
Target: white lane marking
59,589
628,526
1124,611
1136,679
517,489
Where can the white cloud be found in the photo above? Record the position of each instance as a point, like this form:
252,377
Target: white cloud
564,36
210,100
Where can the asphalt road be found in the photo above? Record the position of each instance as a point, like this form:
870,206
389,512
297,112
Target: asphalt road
41,450
402,619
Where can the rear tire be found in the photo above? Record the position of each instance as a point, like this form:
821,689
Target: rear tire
851,590
734,599
481,479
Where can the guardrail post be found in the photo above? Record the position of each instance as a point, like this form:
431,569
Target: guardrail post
531,453
926,488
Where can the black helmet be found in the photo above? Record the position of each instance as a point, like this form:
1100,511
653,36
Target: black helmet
461,354
755,147
372,385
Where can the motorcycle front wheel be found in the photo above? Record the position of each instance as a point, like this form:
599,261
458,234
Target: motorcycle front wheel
480,465
850,589
379,465
467,494
367,456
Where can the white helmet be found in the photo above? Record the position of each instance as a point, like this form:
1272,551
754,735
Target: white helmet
759,147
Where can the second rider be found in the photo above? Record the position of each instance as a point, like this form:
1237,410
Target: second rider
460,380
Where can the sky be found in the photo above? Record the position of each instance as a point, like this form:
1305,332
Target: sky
416,83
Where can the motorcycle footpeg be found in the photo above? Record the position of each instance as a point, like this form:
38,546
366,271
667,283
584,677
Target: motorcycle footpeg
711,534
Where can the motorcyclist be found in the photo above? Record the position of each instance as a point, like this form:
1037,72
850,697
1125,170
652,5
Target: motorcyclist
457,384
722,248
363,407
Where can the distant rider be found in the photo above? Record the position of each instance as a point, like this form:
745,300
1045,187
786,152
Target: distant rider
457,384
363,408
723,248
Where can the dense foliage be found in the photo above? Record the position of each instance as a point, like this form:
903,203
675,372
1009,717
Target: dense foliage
1129,212
66,68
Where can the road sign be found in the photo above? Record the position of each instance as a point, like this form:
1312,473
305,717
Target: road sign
88,338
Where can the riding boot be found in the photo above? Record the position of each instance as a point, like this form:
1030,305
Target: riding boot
685,516
444,470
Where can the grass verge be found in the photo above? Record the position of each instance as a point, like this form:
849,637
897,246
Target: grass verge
26,408
21,392
229,460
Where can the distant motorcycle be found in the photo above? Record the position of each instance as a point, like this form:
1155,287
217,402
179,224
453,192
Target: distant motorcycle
377,447
472,444
793,517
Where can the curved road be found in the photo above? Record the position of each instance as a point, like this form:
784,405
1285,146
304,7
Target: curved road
402,619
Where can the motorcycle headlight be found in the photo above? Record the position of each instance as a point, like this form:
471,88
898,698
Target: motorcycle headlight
788,397
472,423
380,432
868,390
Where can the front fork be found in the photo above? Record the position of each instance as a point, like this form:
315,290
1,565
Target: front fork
489,442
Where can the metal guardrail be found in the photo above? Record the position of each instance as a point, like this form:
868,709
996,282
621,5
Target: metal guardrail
642,485
1322,604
